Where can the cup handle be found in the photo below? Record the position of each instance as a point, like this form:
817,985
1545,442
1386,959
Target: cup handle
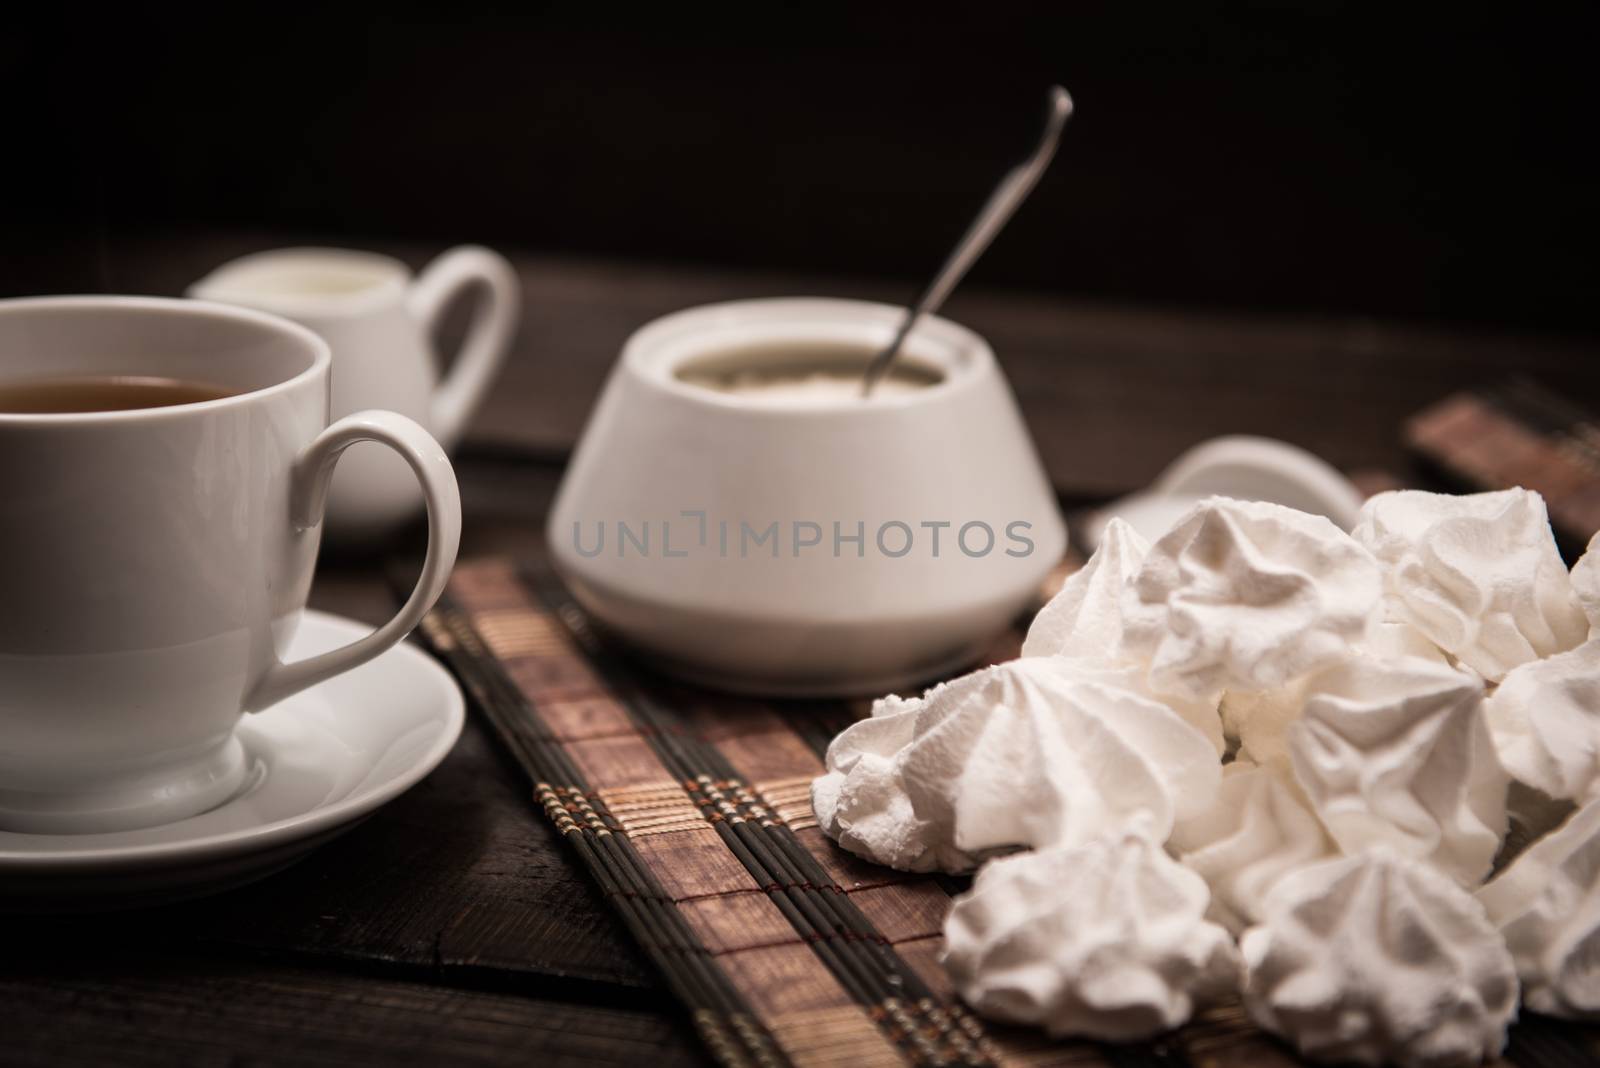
494,320
308,495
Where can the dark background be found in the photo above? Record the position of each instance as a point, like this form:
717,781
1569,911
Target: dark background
1399,161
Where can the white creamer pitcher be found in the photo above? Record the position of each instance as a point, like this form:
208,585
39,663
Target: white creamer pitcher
379,321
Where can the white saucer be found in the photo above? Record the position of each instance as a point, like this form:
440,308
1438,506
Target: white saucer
320,762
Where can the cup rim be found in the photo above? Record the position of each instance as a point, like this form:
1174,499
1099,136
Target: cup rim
321,356
641,351
221,284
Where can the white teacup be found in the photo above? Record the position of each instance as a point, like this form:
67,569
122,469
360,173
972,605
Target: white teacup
154,561
664,463
379,322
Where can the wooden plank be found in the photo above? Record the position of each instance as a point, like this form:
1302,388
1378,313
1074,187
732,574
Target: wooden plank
161,1009
460,879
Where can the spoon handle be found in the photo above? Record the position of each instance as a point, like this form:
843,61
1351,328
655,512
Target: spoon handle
997,211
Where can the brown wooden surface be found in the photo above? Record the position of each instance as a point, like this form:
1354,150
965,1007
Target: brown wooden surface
453,927
161,1008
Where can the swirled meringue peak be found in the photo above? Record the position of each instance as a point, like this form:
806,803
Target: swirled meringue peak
1085,618
1032,752
1398,753
1246,595
1586,584
1376,958
1547,906
1478,574
1545,720
1257,831
1260,719
1084,622
1106,939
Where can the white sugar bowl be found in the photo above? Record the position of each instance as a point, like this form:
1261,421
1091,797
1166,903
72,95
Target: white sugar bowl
738,514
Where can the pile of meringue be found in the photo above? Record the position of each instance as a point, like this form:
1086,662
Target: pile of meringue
1266,758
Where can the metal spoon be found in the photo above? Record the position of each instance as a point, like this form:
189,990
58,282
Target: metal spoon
997,211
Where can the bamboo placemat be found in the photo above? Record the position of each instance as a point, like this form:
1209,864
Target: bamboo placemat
691,810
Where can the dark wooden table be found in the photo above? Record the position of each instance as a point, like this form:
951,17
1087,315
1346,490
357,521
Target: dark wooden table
453,927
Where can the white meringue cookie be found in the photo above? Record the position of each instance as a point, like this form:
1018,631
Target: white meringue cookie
1247,596
1085,618
1398,753
1032,752
1545,719
1376,958
1258,830
1478,574
1547,907
862,805
1585,578
1084,622
1105,939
